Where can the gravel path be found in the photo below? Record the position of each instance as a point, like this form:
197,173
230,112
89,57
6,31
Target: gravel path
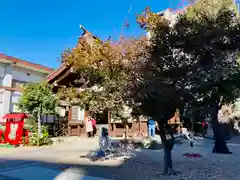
187,170
148,165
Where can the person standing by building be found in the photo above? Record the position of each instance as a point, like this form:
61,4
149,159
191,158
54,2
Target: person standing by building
94,124
151,127
204,128
89,127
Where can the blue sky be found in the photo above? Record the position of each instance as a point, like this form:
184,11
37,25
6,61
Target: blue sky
38,31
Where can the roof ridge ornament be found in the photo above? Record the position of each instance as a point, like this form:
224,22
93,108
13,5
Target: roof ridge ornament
85,32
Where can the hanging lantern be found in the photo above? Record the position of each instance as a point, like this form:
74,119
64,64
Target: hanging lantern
61,111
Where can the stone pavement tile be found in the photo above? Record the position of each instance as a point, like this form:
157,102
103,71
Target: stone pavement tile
60,157
6,164
76,174
5,151
41,173
74,144
31,173
49,153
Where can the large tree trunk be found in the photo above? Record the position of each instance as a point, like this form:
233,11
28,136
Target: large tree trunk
168,146
220,145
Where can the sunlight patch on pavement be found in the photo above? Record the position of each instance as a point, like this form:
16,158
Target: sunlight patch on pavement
5,151
76,174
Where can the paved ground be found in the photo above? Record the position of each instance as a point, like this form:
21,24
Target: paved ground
49,162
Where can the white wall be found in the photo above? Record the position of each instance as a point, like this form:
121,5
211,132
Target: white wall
2,70
8,73
25,75
7,76
6,101
1,105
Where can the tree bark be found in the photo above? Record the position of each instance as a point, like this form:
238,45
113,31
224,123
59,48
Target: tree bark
220,145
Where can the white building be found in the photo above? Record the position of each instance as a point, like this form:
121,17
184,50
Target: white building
14,73
170,15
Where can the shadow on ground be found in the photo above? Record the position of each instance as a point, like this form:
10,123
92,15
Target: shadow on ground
14,169
142,165
121,167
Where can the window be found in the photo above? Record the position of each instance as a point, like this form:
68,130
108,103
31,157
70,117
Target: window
18,84
77,113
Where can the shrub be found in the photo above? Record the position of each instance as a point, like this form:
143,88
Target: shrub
149,143
32,126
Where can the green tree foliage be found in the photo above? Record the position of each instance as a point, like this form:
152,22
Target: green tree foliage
192,63
37,96
34,139
209,7
195,60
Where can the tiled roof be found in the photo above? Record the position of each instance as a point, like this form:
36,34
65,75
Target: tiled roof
25,63
56,73
83,38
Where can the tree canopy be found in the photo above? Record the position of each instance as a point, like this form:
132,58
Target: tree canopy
192,63
37,97
195,61
210,7
108,70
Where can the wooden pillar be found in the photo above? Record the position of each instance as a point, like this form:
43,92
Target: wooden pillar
78,130
127,130
109,123
69,113
69,119
69,130
84,123
139,125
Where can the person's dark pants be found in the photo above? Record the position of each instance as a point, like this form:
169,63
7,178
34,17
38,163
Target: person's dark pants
94,131
203,131
167,155
151,130
90,134
168,158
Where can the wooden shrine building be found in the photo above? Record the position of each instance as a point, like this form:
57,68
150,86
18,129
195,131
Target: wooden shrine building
76,117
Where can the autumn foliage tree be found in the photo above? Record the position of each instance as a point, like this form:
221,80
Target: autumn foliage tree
107,70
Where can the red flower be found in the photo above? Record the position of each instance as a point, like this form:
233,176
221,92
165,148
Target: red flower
192,155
